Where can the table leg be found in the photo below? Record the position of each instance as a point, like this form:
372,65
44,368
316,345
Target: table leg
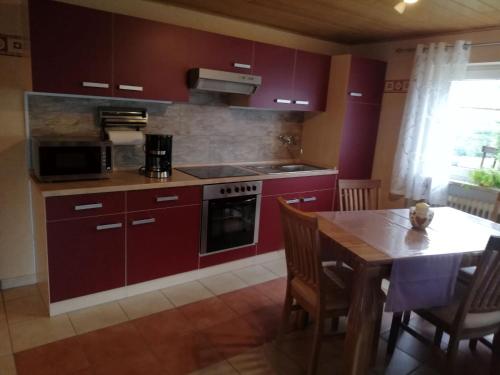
364,314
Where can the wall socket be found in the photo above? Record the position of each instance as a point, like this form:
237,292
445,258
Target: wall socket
12,45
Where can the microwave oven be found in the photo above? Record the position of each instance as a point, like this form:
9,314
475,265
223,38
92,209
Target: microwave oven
71,158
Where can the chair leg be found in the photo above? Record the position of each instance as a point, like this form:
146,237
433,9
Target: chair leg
452,352
318,334
285,317
406,317
473,345
438,337
393,335
495,357
335,324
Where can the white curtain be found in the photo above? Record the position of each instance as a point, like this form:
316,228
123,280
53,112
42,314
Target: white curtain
423,157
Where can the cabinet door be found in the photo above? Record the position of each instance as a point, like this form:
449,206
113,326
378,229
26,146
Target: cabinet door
366,80
86,256
314,201
150,59
275,65
162,242
70,49
359,136
220,52
270,231
312,72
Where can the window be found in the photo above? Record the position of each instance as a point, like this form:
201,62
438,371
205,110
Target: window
476,121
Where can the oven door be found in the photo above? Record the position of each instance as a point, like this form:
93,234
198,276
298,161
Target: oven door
229,223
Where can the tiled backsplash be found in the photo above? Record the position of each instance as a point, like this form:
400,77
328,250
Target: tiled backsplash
205,131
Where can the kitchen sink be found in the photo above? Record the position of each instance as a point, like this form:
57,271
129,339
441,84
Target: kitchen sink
282,168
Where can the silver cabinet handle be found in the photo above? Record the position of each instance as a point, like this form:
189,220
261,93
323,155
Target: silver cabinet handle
309,199
130,88
144,221
283,101
109,226
167,199
98,85
90,206
301,102
293,201
352,93
242,66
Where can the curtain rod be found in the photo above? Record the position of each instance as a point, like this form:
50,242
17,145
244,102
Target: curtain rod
451,45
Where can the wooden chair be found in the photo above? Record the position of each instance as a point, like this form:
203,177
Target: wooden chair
475,311
307,283
357,195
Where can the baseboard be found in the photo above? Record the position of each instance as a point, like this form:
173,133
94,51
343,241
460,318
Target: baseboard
15,282
73,304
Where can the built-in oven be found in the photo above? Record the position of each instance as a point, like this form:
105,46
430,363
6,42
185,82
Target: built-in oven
230,216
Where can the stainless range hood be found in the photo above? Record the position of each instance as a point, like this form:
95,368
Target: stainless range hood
220,81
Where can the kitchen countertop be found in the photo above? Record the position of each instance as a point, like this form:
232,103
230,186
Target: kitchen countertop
132,180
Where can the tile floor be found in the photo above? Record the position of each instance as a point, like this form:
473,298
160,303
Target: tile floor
224,324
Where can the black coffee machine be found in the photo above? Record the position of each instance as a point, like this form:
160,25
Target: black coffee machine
158,149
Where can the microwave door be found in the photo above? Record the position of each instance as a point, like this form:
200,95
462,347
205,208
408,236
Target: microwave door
71,160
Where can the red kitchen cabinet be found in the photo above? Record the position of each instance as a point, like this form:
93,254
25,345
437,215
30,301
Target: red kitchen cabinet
162,242
150,59
220,52
359,135
310,85
71,49
275,65
366,80
86,256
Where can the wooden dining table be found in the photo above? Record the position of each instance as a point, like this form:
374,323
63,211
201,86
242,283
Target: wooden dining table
369,242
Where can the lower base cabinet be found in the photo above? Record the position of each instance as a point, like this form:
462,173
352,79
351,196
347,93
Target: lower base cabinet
86,256
162,242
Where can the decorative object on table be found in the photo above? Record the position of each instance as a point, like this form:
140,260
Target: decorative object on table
421,215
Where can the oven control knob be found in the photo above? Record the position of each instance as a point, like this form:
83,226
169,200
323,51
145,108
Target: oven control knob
228,190
236,189
222,191
254,187
249,188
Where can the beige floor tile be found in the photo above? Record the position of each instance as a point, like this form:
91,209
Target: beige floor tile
255,275
223,283
96,317
7,365
40,331
5,347
22,291
264,361
25,308
183,294
220,368
278,266
145,304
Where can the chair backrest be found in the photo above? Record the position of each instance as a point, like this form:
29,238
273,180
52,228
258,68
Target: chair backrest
302,245
484,290
357,195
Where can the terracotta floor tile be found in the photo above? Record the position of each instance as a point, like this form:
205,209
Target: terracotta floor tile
25,308
267,320
207,313
112,344
220,368
246,300
167,325
143,363
183,354
274,289
234,337
20,292
35,332
5,346
61,357
7,365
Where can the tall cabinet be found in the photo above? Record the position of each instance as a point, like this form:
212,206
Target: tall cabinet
346,134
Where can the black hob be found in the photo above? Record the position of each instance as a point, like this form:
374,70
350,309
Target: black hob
217,171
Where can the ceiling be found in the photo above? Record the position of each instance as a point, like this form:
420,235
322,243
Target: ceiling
356,21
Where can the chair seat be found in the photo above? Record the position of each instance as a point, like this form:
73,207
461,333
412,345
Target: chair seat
445,315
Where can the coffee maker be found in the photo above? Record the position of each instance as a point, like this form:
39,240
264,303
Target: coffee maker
158,150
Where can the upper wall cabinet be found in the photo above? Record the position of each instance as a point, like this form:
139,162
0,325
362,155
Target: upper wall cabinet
220,52
70,48
366,80
310,85
150,59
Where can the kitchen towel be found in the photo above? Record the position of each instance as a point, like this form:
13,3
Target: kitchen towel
422,282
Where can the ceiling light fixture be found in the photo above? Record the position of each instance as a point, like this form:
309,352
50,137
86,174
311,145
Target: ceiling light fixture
401,6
